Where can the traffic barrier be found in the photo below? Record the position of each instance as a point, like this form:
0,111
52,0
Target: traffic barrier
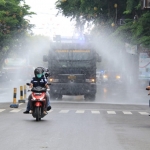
21,100
25,92
14,104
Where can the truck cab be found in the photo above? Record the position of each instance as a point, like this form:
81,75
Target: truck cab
73,70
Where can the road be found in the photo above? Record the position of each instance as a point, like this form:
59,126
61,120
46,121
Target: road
114,94
118,119
76,126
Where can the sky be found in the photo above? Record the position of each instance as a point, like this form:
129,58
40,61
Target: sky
46,21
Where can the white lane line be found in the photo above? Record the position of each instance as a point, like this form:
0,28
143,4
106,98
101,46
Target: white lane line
15,110
2,110
80,111
144,113
127,112
111,112
64,111
95,112
21,103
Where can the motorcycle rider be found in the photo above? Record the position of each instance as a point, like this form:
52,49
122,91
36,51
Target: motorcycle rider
38,80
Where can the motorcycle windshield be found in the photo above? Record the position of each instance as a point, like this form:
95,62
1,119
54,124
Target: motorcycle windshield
38,89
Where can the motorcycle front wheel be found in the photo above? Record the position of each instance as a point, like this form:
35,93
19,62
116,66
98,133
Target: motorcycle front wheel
38,113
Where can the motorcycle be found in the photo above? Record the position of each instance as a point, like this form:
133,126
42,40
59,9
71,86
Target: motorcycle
38,101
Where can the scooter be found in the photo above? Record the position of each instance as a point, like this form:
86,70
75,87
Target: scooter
38,101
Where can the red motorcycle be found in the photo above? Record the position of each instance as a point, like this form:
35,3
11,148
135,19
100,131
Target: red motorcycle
38,101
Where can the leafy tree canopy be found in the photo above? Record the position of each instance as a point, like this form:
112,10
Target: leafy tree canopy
106,15
13,25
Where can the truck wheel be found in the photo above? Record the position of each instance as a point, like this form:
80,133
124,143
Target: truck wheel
59,97
92,97
53,96
86,97
89,97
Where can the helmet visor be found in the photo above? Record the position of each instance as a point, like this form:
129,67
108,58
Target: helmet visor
39,75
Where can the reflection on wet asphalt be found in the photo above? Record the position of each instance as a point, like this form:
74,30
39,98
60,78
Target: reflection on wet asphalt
106,93
122,94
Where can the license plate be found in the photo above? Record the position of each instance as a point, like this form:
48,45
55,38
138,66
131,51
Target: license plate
71,77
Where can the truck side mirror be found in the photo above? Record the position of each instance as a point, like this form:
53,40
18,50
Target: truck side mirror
45,59
98,58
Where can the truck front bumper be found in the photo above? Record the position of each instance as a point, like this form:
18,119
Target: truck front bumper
73,88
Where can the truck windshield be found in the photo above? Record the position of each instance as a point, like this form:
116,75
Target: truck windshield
73,55
74,64
73,58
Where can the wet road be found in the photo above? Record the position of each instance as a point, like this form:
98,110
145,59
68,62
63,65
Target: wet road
114,94
76,126
112,121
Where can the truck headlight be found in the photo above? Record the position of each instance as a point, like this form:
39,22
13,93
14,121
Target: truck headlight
90,80
118,77
105,77
53,80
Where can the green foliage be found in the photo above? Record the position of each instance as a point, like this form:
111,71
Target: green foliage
96,11
103,13
13,25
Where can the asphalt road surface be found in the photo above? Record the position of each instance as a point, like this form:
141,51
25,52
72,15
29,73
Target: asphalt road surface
118,119
76,126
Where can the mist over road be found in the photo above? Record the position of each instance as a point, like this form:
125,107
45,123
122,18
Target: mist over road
106,93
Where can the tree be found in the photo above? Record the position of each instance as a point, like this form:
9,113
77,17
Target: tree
106,15
136,30
13,25
97,11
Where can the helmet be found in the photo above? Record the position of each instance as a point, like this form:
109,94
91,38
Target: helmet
38,72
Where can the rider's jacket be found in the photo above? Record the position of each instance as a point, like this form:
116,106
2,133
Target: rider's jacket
39,82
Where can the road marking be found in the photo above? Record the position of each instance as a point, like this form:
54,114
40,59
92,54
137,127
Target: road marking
83,111
15,110
80,111
2,110
64,111
95,112
144,113
111,112
127,112
21,103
